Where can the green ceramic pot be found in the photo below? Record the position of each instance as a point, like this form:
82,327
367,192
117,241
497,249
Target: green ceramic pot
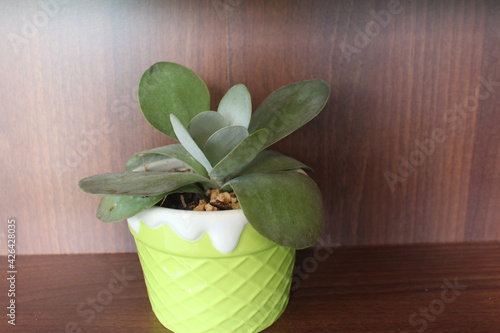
193,287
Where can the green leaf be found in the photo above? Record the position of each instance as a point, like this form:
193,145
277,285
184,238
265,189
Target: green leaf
240,156
272,161
289,108
285,207
136,162
169,88
223,141
116,208
203,125
236,106
175,151
140,183
187,141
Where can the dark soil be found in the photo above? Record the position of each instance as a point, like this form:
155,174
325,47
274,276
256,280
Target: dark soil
184,201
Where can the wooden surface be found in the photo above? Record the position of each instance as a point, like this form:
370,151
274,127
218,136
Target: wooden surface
68,87
363,289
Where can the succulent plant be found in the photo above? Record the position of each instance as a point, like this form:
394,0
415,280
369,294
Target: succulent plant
225,150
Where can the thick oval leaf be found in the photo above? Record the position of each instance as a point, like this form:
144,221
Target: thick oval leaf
142,162
169,88
236,106
223,141
140,183
116,208
176,151
289,108
187,142
203,125
240,156
285,207
272,161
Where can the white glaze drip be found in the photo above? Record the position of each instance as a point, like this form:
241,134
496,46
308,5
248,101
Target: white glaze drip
223,227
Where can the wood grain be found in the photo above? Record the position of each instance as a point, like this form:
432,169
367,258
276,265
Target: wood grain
362,289
388,98
69,108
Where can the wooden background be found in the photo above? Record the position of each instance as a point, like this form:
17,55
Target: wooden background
415,97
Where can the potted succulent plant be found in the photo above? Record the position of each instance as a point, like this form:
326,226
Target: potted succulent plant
216,218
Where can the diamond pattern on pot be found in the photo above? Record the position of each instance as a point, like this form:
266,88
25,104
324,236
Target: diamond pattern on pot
233,294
